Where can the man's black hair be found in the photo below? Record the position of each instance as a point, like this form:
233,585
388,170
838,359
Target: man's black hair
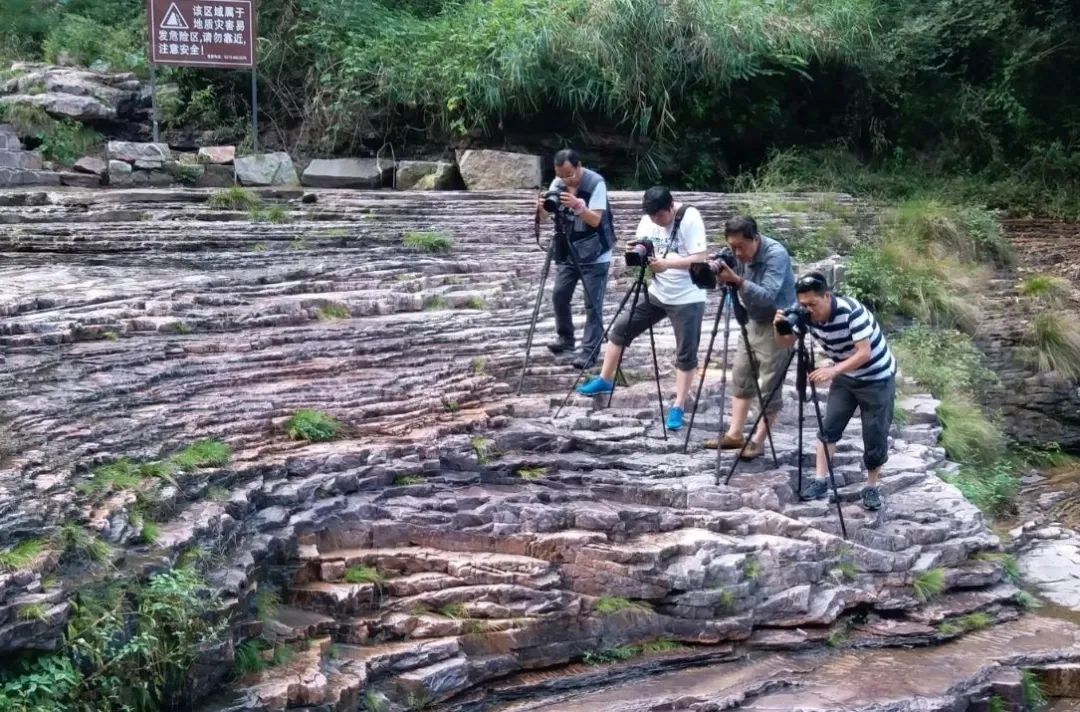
812,282
656,199
567,155
741,225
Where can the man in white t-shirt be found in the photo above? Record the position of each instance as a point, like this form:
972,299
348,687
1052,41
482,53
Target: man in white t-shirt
672,294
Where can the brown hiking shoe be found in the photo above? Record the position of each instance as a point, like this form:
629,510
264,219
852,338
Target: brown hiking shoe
753,450
728,442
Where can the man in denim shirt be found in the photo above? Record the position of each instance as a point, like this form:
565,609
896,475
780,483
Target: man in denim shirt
765,282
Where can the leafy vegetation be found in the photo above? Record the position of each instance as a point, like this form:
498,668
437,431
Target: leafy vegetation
435,302
235,198
332,312
532,473
313,425
610,605
627,652
1045,288
21,555
963,624
484,449
1054,340
363,574
929,584
427,241
409,480
1033,692
126,648
60,140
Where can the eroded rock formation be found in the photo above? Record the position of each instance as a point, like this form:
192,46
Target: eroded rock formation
457,534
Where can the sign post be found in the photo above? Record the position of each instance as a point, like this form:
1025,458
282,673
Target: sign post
204,33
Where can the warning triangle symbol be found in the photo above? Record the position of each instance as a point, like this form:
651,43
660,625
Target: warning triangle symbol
174,20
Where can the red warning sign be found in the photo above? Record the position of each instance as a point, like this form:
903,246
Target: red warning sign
208,33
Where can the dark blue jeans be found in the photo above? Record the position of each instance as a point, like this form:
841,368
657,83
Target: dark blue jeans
594,278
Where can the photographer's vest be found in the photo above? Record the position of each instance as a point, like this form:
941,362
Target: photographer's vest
589,243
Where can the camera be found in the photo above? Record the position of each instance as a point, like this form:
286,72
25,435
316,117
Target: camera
639,253
703,274
551,200
795,320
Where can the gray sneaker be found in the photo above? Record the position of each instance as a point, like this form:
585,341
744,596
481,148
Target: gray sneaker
871,498
817,489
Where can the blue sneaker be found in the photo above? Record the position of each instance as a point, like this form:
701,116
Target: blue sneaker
674,418
817,489
596,387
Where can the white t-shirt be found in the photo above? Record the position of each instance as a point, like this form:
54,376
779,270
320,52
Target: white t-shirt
674,286
597,201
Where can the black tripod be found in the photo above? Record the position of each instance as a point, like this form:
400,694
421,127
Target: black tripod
804,365
729,296
632,296
561,230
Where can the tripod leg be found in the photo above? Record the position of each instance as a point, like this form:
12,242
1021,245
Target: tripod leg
828,461
618,310
802,407
639,284
535,315
656,372
723,394
755,371
704,368
761,414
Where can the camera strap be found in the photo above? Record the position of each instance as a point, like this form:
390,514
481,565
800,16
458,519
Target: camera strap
675,229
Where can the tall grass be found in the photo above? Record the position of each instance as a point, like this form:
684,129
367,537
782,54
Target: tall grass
479,61
1054,341
928,263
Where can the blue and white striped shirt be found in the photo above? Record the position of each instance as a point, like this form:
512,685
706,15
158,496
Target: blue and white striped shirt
849,322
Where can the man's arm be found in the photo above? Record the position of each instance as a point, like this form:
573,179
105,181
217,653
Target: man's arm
678,262
857,360
591,213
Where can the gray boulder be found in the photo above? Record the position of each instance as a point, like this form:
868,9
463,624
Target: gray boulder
9,140
133,152
120,174
221,155
425,175
215,176
346,173
92,165
266,169
495,170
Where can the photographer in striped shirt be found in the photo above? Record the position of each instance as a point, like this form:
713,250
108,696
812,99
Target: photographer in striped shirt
863,376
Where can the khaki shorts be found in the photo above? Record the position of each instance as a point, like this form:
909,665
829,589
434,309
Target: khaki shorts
771,359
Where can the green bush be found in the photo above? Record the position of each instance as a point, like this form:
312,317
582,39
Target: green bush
313,426
428,241
120,44
942,360
125,649
967,435
235,198
1054,340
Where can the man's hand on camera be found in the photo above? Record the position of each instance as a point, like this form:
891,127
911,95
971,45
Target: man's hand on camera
658,265
727,276
821,376
576,204
778,317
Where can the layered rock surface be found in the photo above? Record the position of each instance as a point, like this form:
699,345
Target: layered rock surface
457,534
